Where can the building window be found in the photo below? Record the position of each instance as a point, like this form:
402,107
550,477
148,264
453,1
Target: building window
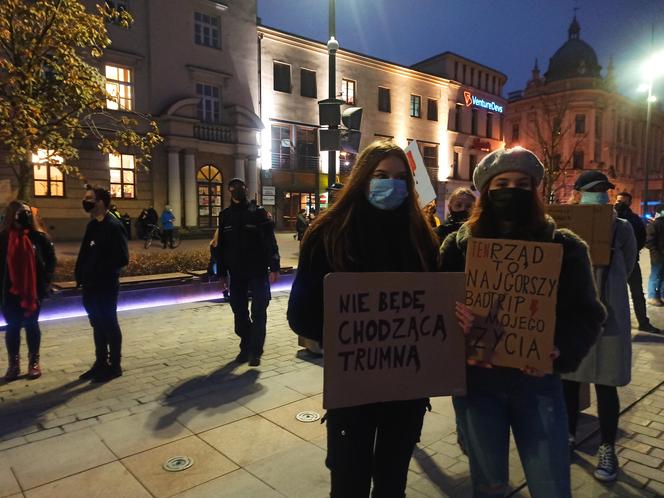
473,122
48,179
282,82
415,106
577,161
472,76
307,148
432,109
384,104
209,105
456,70
119,84
209,183
598,125
281,146
463,76
458,109
472,162
123,176
494,85
489,125
597,153
348,91
580,124
308,83
455,166
619,130
486,82
206,30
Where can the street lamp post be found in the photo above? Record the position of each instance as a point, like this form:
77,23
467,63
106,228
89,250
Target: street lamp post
645,150
332,47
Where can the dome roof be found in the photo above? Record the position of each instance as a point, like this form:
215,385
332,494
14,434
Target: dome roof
574,59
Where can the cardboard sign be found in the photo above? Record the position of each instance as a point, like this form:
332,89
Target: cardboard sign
392,336
512,287
592,222
423,185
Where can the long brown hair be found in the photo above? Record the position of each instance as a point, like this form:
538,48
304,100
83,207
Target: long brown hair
332,228
484,223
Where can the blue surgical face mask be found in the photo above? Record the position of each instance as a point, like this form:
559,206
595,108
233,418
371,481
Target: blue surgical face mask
387,193
594,198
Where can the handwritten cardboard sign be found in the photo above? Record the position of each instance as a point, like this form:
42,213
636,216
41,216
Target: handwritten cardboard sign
512,287
592,222
392,336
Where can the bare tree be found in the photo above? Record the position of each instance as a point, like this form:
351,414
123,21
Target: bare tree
550,131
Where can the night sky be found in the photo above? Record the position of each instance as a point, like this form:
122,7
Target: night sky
503,34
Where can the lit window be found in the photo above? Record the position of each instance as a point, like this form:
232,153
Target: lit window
123,175
48,179
119,84
206,30
415,106
209,107
348,91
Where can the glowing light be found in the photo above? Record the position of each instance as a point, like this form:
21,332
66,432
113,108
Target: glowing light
652,98
653,67
76,310
643,87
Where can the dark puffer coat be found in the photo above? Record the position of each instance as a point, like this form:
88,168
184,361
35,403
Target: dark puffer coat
579,311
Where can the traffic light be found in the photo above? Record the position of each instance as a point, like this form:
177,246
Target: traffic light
334,138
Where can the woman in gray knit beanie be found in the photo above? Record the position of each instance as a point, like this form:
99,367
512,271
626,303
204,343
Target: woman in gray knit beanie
525,402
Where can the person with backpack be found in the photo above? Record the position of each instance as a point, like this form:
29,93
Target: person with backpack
28,263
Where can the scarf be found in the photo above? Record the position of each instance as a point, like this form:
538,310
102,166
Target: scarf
22,268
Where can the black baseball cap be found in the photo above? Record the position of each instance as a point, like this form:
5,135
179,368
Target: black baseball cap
590,179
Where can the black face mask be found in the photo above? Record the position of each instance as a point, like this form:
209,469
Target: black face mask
459,216
239,194
88,205
24,218
511,204
621,207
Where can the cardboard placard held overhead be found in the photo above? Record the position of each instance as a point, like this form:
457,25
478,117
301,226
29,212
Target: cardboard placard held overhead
392,336
512,287
592,222
425,190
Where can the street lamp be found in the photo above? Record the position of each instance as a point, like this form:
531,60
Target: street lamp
653,68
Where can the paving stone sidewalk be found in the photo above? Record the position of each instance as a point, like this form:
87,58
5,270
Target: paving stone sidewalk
182,395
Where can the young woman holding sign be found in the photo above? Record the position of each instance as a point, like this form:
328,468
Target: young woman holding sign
526,401
375,225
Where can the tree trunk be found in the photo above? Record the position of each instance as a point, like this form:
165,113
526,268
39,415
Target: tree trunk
24,176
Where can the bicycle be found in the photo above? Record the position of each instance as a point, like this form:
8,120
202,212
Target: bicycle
154,232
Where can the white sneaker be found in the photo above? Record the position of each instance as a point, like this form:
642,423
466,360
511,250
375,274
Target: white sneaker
607,465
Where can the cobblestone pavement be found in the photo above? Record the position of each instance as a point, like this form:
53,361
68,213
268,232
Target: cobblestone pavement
181,395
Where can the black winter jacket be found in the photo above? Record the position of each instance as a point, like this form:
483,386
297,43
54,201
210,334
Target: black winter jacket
247,246
637,224
103,253
379,243
45,254
579,311
655,238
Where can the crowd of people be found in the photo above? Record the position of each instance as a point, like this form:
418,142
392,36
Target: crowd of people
377,225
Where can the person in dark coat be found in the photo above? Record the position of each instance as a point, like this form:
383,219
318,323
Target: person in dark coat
247,262
375,225
460,205
527,402
655,244
635,281
28,263
301,224
102,256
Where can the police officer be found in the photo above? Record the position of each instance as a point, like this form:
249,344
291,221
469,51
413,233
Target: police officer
248,261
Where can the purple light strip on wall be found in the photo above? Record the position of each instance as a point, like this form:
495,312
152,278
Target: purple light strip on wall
77,310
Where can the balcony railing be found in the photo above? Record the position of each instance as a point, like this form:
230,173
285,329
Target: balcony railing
295,162
213,133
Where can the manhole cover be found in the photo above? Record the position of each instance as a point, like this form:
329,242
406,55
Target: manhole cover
307,416
178,463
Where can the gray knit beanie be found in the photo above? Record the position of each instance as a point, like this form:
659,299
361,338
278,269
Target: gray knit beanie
502,160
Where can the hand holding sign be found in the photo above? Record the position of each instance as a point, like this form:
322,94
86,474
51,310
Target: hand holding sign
512,289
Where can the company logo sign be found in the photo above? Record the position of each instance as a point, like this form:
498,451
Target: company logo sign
470,99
